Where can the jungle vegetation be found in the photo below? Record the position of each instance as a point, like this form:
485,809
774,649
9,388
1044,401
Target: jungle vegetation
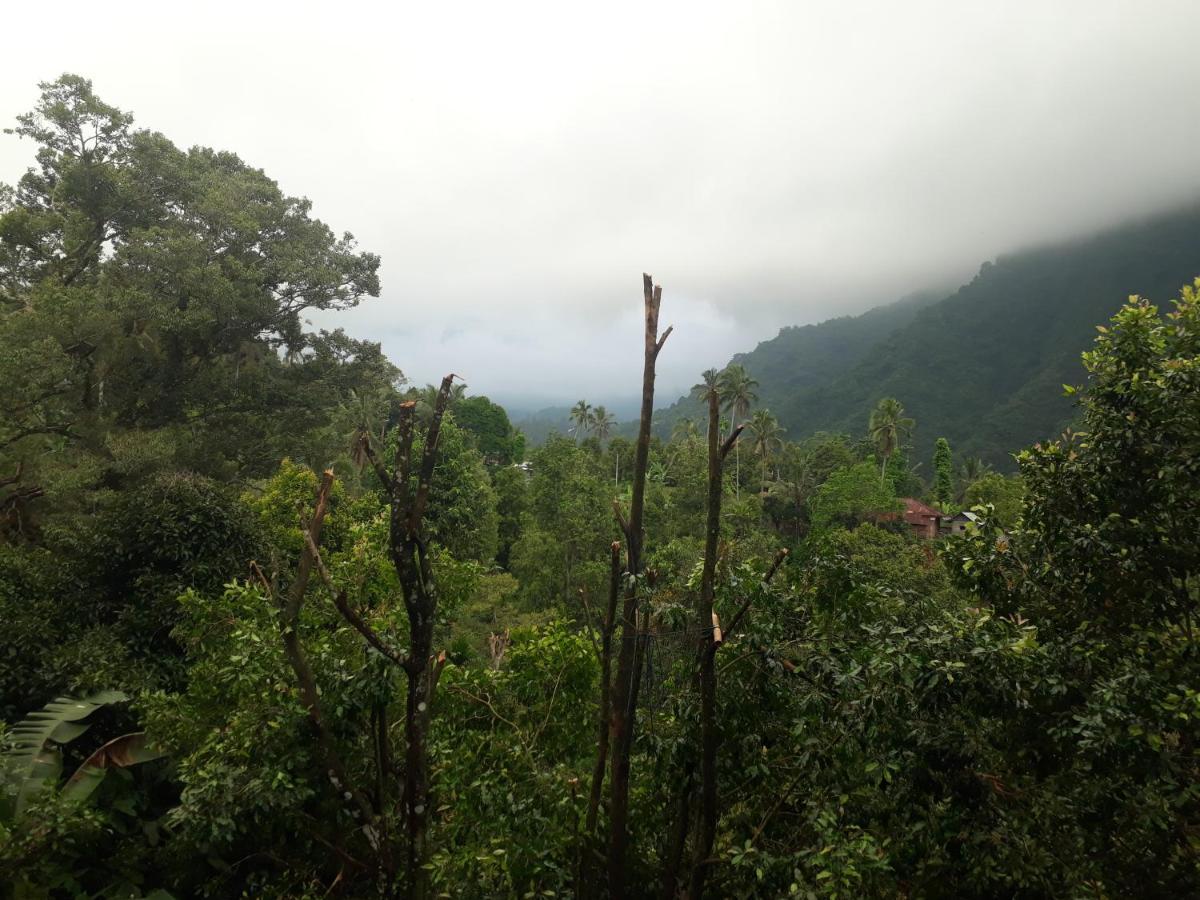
279,624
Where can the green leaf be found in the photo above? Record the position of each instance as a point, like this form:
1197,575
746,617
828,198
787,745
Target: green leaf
34,758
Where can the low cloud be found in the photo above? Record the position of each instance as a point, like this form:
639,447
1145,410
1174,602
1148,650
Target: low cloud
519,165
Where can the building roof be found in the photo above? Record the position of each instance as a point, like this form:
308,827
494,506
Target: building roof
966,514
917,513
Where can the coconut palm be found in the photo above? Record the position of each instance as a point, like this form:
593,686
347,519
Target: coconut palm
737,392
426,398
581,415
737,395
601,423
710,382
766,439
888,427
970,471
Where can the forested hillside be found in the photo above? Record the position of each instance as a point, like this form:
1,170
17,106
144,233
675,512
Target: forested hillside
278,624
985,366
801,358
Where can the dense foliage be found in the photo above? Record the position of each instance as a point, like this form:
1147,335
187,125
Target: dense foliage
189,593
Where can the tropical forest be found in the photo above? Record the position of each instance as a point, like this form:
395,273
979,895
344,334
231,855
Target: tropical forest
898,604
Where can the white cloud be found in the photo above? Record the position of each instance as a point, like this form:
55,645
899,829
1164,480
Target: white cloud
519,165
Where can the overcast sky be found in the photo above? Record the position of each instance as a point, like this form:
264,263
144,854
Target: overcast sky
518,166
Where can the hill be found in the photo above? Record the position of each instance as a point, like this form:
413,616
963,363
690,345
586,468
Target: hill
985,366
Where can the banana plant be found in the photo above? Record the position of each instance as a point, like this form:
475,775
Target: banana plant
33,760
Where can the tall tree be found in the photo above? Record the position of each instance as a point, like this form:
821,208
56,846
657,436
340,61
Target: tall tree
737,396
943,472
766,439
581,416
887,428
969,472
632,648
408,488
146,287
427,398
601,423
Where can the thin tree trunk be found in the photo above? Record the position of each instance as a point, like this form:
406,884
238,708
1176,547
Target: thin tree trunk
737,471
610,615
409,550
624,704
679,833
707,656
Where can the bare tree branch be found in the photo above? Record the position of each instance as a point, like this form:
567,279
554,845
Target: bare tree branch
731,440
339,599
745,607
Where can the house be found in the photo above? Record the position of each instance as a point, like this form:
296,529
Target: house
925,521
959,522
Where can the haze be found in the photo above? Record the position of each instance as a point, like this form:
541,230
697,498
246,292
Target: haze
518,166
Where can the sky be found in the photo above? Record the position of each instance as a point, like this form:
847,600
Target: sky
519,165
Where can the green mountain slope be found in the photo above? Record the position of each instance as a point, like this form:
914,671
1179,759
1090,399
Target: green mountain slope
985,366
804,357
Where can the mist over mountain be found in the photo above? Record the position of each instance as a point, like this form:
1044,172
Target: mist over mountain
984,366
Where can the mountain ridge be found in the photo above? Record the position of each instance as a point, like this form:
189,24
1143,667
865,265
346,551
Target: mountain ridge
984,365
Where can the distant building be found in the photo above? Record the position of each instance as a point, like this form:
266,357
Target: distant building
959,522
925,521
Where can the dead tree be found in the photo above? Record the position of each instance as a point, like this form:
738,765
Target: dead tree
408,547
623,712
711,639
606,633
706,628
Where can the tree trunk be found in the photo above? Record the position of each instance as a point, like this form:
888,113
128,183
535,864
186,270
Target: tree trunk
624,708
614,586
409,550
707,658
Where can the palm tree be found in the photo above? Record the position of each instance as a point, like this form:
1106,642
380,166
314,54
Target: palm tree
972,470
581,415
767,439
737,393
426,398
601,423
888,427
710,382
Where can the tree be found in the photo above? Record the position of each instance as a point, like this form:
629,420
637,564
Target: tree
888,427
426,399
144,287
581,416
737,393
850,496
684,430
512,502
970,471
1105,563
766,439
1004,494
632,650
408,487
568,526
943,468
494,434
601,423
